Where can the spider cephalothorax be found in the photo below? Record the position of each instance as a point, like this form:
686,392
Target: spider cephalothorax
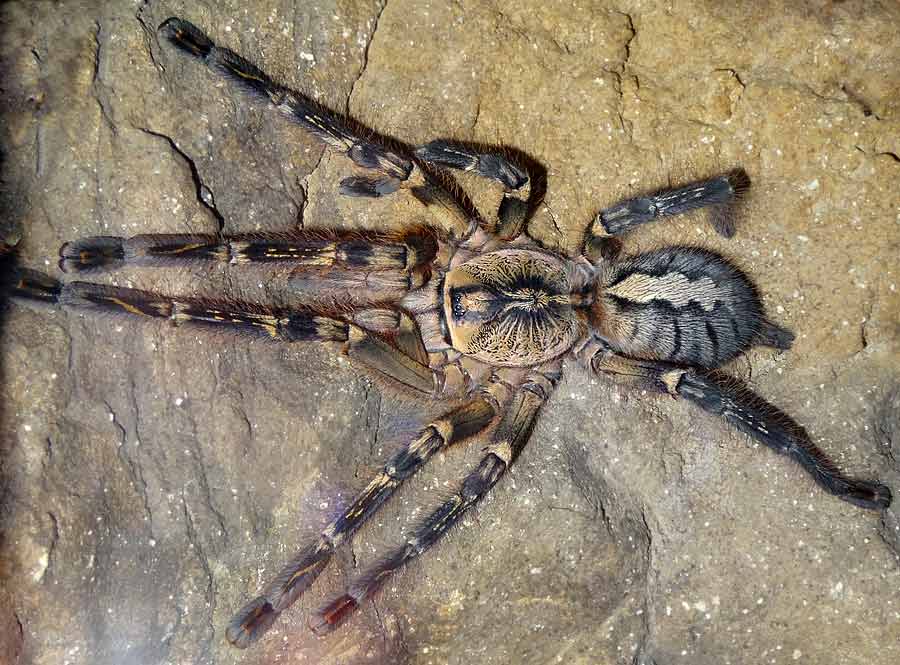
464,310
512,307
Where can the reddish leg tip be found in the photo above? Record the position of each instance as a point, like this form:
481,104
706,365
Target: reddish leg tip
332,615
248,625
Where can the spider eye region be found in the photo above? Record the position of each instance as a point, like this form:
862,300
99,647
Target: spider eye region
474,303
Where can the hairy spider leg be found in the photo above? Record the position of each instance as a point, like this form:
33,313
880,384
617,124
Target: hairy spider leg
369,335
744,410
391,161
507,441
288,325
365,250
335,130
492,164
31,285
717,193
465,157
255,618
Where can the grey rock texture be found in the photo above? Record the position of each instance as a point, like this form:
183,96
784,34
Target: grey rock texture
153,479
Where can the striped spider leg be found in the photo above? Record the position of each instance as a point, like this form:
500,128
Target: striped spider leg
366,334
507,440
718,194
256,617
388,165
734,402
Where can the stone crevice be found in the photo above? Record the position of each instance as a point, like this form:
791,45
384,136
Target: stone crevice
204,194
210,587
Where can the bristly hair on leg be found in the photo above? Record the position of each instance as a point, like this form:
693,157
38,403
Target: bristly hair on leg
186,36
339,132
369,187
486,162
748,412
723,217
29,285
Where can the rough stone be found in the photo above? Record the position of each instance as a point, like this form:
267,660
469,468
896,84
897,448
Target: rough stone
152,479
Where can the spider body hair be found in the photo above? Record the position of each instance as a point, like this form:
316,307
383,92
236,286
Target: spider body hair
681,304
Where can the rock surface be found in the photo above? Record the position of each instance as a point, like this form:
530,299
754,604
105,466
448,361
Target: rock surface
153,479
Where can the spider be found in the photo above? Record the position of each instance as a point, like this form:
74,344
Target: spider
462,311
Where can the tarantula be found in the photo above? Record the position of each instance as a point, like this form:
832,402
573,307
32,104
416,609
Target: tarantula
473,313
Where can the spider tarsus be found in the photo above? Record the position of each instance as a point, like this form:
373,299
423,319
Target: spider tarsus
332,615
30,285
369,187
867,494
739,182
186,36
496,167
92,253
462,157
251,622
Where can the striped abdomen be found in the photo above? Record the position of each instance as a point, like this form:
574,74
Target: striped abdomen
679,304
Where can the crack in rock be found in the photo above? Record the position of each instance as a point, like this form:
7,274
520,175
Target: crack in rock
210,591
645,640
51,547
149,36
365,56
204,194
627,44
133,466
99,88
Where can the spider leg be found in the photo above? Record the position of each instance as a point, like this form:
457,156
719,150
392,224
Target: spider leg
366,334
625,215
507,441
302,249
493,165
335,130
463,157
259,614
391,167
30,285
727,397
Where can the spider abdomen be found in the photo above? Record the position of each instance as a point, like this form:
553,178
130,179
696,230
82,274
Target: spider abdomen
511,307
679,304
